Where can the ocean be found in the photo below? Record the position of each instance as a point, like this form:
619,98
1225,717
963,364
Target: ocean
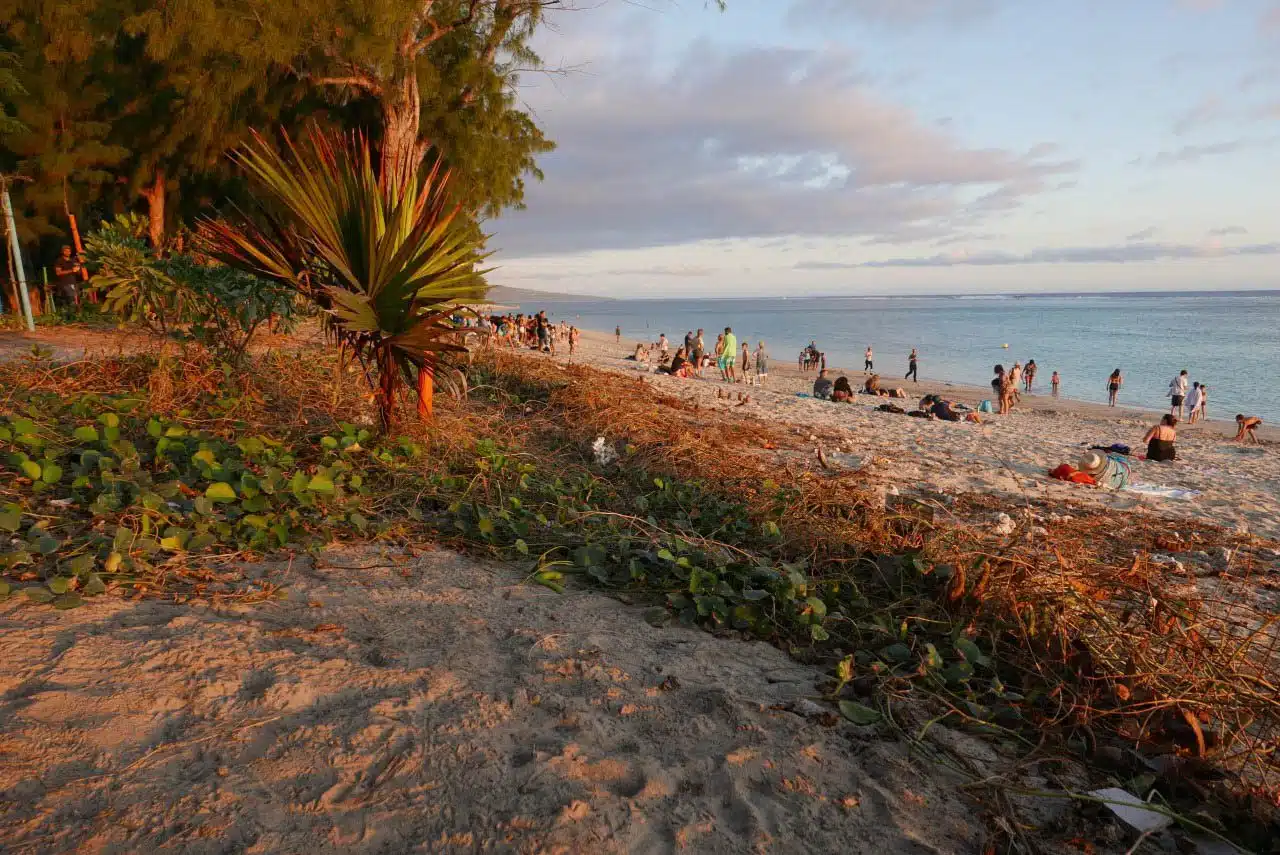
1228,340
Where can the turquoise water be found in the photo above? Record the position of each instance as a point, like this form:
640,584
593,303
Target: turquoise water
1231,341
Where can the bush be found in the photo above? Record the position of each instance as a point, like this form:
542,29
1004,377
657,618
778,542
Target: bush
219,307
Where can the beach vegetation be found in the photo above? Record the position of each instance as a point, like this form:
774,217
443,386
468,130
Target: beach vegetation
382,255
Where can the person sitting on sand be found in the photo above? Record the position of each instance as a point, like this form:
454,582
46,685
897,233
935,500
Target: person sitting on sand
842,391
872,386
641,355
680,366
1247,425
1161,438
822,386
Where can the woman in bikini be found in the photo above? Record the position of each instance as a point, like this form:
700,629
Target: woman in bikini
1113,387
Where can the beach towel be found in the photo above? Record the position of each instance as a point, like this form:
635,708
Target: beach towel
890,408
1067,472
1115,448
1160,492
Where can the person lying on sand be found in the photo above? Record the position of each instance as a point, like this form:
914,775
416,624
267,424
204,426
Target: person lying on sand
1247,425
842,391
823,386
1161,438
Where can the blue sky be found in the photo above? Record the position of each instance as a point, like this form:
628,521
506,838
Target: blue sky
903,146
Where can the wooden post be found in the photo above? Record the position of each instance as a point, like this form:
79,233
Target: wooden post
84,271
16,249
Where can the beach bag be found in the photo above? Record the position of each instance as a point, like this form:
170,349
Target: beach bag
985,407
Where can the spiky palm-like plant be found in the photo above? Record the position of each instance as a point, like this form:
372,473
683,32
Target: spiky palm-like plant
383,257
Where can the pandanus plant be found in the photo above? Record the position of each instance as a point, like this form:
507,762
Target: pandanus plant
384,257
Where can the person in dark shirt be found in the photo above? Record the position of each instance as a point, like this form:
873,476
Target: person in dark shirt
822,386
66,281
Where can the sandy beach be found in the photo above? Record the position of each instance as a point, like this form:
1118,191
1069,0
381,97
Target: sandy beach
1234,486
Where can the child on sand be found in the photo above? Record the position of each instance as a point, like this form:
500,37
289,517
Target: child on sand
1247,425
1193,403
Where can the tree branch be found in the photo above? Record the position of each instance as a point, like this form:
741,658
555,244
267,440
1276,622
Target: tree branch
359,81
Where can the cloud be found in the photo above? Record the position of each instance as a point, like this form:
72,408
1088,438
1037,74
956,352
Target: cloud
682,271
1204,112
1123,254
1190,153
754,143
1226,231
891,13
1146,234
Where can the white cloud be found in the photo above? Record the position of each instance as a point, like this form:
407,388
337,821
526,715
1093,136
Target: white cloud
754,143
1105,254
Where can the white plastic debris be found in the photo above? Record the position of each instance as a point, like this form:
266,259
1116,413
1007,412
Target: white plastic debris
1168,561
1004,524
603,451
1132,810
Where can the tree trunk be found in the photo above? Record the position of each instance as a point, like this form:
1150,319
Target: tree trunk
401,118
155,208
386,394
426,391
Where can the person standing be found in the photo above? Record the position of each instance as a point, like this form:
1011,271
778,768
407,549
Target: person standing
1055,380
731,355
762,364
1029,374
617,334
913,367
66,282
1193,403
688,344
1177,394
1204,401
1113,387
573,340
867,364
664,347
745,362
699,350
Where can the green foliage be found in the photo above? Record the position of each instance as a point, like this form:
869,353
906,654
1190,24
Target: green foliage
222,307
383,257
131,490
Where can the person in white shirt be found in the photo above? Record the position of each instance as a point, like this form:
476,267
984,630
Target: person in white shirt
1177,394
1193,402
664,347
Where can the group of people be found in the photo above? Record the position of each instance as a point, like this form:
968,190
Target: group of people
1189,403
1005,384
535,332
734,361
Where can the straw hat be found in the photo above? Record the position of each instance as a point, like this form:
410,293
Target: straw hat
1091,463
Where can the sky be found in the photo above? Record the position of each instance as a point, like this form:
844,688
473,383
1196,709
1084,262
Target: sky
799,147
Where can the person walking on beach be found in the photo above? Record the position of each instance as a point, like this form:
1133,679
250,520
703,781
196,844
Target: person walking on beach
573,340
867,364
913,367
1055,380
762,364
1029,374
1177,394
730,355
1113,387
1247,425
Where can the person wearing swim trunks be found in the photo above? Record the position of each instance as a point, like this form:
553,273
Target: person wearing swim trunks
1177,394
729,356
699,348
762,364
1247,425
